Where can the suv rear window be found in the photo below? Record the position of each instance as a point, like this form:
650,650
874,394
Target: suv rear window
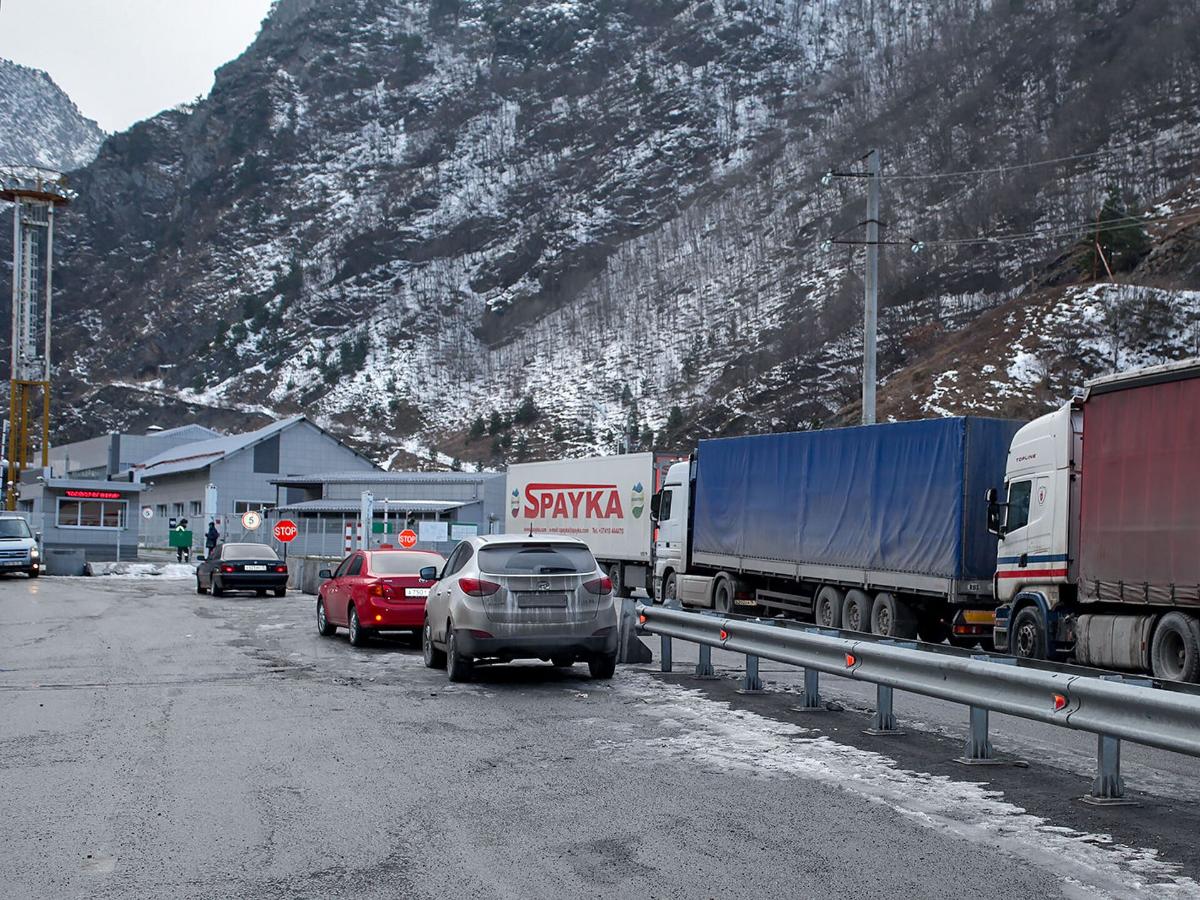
248,551
536,559
404,563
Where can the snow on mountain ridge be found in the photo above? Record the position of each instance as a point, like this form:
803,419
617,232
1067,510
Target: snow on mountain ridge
40,125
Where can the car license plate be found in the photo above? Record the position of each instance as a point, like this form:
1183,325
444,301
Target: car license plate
256,568
12,562
416,592
541,601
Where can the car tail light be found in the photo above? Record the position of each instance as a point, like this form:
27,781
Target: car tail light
281,569
477,587
379,589
476,633
598,586
226,569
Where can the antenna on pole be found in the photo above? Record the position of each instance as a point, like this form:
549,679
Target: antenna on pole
35,194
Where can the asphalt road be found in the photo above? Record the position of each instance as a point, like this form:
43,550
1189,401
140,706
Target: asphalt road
154,743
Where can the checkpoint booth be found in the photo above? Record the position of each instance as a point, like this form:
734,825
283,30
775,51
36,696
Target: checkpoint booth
82,521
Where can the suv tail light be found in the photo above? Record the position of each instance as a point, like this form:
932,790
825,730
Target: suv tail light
599,586
477,587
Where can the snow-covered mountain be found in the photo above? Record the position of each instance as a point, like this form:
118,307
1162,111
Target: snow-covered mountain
401,215
39,125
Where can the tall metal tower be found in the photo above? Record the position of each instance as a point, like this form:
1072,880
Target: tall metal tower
35,194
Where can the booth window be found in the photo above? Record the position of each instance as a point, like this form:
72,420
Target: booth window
92,513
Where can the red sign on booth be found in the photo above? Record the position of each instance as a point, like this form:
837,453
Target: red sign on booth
285,531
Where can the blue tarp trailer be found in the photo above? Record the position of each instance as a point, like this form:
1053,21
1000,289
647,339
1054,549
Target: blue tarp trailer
898,507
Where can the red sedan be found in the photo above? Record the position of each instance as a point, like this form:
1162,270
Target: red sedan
375,590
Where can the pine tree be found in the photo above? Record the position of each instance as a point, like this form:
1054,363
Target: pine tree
1122,243
495,423
477,428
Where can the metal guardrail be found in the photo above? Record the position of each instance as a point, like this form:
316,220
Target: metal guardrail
1113,707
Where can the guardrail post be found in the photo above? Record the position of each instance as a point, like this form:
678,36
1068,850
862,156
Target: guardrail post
812,692
666,653
979,748
1108,789
751,684
704,668
884,721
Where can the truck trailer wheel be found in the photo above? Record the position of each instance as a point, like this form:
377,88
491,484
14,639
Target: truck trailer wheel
1175,650
723,596
1027,637
892,617
829,607
856,611
619,588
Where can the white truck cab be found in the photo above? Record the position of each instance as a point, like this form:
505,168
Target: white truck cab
1032,523
671,509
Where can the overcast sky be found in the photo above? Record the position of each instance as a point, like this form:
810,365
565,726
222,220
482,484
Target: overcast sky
122,61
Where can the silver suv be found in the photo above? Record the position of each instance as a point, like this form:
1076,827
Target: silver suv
19,550
506,597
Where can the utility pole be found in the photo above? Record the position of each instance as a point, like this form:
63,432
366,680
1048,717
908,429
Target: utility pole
871,300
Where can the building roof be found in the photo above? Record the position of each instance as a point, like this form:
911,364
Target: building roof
200,431
355,506
201,454
389,478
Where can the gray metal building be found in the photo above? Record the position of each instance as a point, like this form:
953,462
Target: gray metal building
110,454
243,468
324,505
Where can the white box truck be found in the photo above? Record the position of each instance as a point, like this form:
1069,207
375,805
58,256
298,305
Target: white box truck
604,501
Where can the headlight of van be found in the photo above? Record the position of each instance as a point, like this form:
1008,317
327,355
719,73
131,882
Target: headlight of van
35,553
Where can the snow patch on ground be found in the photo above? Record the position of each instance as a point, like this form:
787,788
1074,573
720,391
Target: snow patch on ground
712,735
141,570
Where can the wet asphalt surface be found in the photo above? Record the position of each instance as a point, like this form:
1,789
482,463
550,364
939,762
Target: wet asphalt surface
155,743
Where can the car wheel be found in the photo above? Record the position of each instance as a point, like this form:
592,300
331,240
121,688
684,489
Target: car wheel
1028,635
602,666
434,658
458,668
562,662
358,634
325,628
1175,648
218,589
200,589
261,592
34,573
281,592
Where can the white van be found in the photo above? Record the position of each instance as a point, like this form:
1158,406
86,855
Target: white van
19,550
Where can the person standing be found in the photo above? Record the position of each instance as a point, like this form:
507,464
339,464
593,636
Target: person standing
181,551
211,537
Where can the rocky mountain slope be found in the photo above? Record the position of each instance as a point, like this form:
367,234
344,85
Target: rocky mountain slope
39,125
401,215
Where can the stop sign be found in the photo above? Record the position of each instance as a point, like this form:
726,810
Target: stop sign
285,531
408,539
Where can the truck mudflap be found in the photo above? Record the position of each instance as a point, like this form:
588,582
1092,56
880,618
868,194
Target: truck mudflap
1000,630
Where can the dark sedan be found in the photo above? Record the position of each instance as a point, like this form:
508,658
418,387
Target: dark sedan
242,567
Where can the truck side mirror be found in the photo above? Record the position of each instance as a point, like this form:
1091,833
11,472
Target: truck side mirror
993,513
655,505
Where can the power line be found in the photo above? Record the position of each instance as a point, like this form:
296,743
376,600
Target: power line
1103,225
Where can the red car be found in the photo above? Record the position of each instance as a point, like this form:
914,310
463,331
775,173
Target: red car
375,590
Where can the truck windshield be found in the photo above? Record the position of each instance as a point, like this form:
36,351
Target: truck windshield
536,559
12,529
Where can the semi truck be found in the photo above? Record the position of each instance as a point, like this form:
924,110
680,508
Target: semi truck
879,528
604,501
1099,528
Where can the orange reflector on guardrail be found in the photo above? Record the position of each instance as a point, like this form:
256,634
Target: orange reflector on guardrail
724,635
1060,702
851,660
642,619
